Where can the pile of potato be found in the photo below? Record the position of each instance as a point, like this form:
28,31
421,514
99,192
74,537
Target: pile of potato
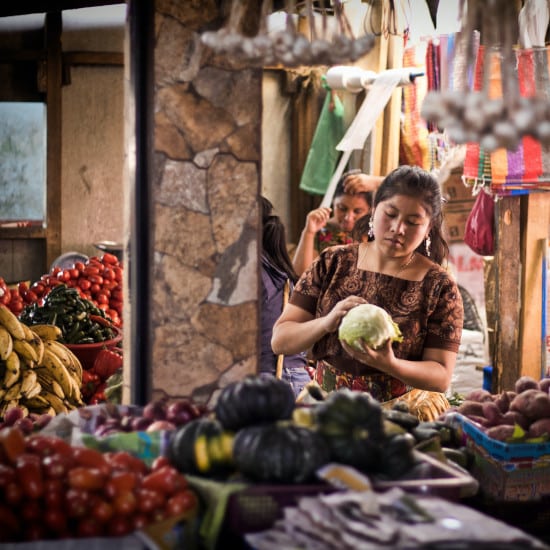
500,415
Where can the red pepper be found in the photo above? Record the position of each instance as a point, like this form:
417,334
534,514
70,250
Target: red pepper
106,363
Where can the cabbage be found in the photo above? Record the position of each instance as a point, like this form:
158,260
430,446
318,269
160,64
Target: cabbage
369,323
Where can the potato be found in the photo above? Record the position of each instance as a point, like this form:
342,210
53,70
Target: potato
544,385
515,417
533,404
479,395
501,433
526,383
539,428
492,413
504,399
468,408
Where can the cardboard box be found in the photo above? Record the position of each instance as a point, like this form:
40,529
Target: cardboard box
511,472
454,189
454,225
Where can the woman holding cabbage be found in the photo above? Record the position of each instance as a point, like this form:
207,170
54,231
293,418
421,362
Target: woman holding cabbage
399,269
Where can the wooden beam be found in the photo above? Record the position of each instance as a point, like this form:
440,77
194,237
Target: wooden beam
22,7
534,232
93,58
507,360
53,29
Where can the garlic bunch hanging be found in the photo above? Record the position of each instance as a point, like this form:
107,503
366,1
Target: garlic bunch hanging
492,123
288,47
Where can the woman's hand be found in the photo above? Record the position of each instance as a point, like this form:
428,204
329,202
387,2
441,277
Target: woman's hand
361,183
381,358
333,319
317,219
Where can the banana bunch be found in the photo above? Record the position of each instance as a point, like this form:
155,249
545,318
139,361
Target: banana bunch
37,373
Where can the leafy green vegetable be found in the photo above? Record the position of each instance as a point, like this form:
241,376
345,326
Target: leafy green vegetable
369,323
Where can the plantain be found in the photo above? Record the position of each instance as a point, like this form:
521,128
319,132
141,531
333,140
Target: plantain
13,370
12,324
30,386
58,371
55,402
47,332
38,344
36,402
26,352
27,330
48,382
76,365
6,343
14,392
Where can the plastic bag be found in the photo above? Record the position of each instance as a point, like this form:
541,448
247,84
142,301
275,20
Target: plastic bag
479,229
323,156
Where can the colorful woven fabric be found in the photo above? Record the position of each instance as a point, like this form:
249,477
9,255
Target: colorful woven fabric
528,167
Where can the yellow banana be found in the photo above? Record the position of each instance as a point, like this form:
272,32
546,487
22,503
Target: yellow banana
25,351
58,370
48,382
10,321
38,344
55,402
36,402
27,330
30,385
14,392
76,365
47,332
6,343
13,370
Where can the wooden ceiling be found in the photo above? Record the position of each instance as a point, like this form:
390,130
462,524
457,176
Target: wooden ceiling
10,8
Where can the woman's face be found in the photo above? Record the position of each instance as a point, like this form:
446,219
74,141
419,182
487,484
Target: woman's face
348,209
401,223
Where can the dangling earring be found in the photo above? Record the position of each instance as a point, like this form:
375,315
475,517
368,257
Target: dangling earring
427,244
370,233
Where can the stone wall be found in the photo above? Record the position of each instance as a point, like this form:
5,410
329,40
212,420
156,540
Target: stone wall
207,143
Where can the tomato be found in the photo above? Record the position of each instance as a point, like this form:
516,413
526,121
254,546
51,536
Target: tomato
7,474
181,502
160,461
55,520
95,279
103,511
95,288
119,526
125,503
45,445
123,460
119,482
139,521
64,276
13,493
84,477
149,500
77,502
109,258
31,510
118,273
92,458
89,527
102,298
54,493
12,442
56,465
84,284
91,270
22,287
165,479
28,469
35,531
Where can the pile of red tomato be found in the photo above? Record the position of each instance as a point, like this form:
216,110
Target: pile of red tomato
98,280
52,490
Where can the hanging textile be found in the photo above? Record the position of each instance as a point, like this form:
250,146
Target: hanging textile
528,167
413,141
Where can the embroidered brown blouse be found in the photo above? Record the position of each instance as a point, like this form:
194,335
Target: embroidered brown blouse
429,312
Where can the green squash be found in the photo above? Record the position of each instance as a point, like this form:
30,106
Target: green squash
278,453
202,447
352,423
254,400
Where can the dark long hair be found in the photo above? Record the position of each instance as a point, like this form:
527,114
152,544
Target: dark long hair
274,245
413,181
339,190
